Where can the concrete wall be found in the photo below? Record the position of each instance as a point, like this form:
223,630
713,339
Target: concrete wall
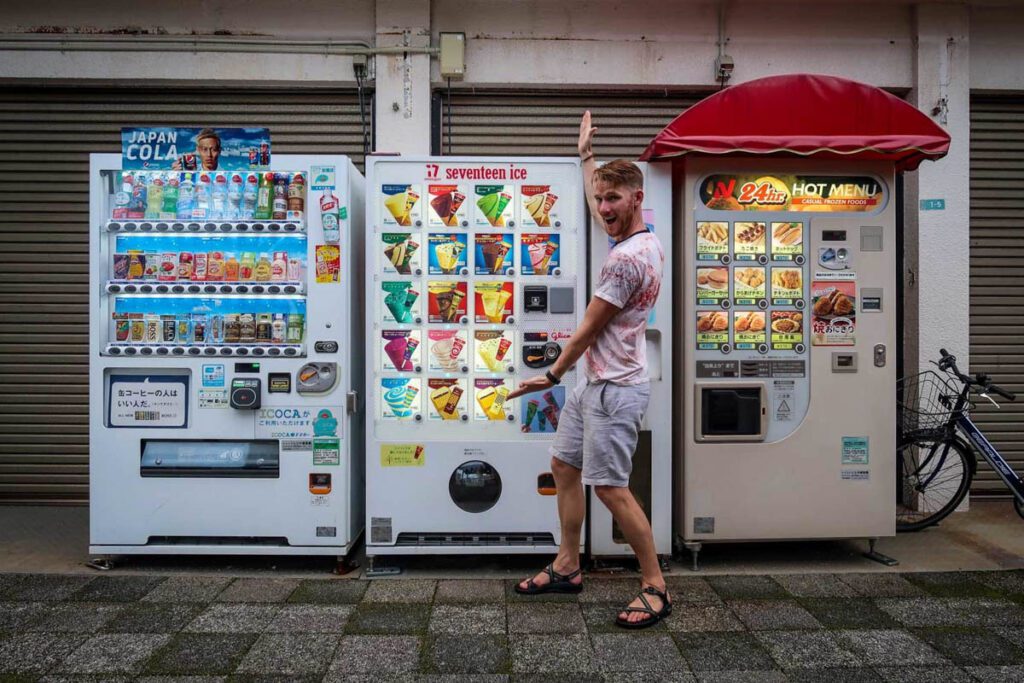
936,51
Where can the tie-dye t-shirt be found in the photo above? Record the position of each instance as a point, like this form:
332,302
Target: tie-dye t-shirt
630,280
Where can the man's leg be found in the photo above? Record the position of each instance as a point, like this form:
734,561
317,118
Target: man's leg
571,509
631,519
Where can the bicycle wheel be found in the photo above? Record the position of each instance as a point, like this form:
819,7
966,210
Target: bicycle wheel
930,486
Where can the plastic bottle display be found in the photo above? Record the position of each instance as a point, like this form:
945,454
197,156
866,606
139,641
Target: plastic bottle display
265,196
279,209
232,269
234,210
249,193
203,198
186,196
155,198
171,192
219,200
296,196
263,269
137,204
202,326
123,197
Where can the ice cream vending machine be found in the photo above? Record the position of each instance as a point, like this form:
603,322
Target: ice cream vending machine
789,350
475,279
651,479
225,368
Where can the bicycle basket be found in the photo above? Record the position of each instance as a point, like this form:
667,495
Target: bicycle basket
926,402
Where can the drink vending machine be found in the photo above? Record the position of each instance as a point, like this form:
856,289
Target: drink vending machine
475,278
789,350
651,480
224,365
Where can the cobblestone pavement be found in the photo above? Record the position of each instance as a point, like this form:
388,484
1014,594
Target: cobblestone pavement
942,627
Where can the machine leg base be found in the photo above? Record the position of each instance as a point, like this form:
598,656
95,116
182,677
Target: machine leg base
694,549
663,562
876,556
345,565
103,564
378,567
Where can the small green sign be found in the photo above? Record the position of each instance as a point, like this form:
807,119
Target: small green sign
326,451
855,450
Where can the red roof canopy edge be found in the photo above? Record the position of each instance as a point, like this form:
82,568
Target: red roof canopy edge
805,115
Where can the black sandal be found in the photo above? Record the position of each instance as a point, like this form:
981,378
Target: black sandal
656,616
557,583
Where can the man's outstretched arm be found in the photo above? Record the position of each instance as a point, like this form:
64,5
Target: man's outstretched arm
585,146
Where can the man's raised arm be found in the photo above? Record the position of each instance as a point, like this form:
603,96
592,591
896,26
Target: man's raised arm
586,150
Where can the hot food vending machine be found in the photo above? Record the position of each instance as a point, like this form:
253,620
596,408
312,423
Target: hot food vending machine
475,279
225,371
789,350
651,480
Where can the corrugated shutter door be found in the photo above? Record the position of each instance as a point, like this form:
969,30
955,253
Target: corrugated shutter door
546,123
997,273
46,135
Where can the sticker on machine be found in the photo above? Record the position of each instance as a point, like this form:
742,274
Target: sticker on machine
540,413
856,475
401,253
285,422
712,240
447,399
833,313
493,351
400,350
328,264
447,350
493,302
402,455
214,398
401,205
749,240
855,450
539,206
213,375
326,452
489,399
447,254
400,398
493,254
322,178
540,253
494,206
447,302
447,206
148,401
401,302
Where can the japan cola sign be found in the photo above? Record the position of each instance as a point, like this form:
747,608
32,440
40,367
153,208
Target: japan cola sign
825,194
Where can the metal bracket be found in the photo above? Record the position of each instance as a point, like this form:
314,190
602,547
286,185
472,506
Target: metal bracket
103,564
694,549
352,402
876,556
381,568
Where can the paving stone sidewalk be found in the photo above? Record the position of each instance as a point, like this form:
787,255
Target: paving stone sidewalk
942,627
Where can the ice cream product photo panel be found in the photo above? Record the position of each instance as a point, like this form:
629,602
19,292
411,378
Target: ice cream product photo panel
400,398
493,254
402,253
494,206
493,350
448,350
448,255
540,253
402,206
448,206
539,206
489,396
402,302
447,302
446,398
494,302
400,350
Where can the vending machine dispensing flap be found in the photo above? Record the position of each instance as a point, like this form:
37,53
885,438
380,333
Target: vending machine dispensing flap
731,412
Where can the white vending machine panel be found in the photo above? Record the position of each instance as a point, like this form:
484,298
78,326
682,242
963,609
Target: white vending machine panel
475,280
224,365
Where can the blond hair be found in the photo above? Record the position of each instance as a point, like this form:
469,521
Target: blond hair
620,173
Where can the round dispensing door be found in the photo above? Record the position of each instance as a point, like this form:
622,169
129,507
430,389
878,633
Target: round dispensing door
475,486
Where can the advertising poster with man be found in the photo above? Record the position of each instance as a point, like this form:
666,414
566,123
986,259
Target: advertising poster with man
195,149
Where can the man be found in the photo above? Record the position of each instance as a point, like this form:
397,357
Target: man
599,425
207,149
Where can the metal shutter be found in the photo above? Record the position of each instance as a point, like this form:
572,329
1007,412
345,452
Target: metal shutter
997,273
46,135
547,123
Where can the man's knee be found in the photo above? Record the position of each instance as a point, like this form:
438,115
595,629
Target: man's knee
612,496
560,468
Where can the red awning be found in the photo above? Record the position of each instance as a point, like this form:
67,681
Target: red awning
804,115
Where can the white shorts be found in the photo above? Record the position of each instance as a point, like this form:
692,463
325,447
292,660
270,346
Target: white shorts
598,430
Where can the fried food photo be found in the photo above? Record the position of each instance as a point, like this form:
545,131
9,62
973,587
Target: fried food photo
714,233
713,278
787,234
751,277
785,323
752,233
786,278
750,322
836,303
715,321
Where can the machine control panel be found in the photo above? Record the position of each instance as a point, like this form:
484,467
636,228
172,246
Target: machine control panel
245,393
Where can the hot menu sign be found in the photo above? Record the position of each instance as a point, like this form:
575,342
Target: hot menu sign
806,193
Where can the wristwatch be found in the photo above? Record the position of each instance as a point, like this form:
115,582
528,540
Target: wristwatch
552,378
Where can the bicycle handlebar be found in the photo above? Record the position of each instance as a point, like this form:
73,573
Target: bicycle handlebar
981,380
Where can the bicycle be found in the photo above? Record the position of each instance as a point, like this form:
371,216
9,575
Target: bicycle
936,463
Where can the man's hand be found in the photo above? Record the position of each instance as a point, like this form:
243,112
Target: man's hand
529,386
585,146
